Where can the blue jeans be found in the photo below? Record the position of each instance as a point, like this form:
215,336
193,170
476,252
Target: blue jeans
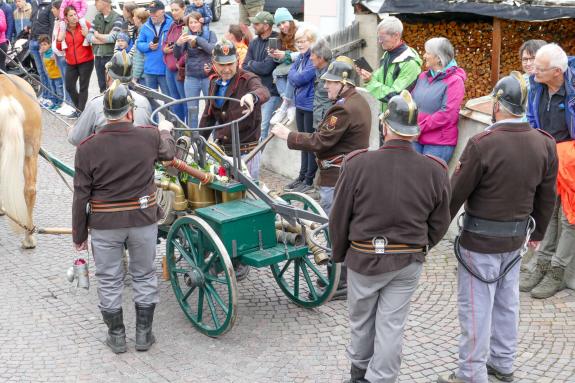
326,198
61,62
176,91
285,88
34,46
156,81
442,151
192,87
268,108
57,88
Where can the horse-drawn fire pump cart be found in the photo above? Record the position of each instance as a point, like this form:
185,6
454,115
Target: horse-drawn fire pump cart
216,217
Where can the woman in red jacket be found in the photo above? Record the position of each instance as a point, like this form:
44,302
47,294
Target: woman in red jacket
3,41
79,58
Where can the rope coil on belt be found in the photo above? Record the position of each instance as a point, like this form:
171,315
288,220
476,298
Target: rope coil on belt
529,230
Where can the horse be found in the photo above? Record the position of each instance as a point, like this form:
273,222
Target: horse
20,135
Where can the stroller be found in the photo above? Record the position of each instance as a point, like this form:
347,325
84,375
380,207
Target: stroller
19,61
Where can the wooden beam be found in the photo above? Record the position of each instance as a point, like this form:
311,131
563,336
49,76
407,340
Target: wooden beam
495,51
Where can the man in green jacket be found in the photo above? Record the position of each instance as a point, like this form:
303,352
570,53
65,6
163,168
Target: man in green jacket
107,24
399,66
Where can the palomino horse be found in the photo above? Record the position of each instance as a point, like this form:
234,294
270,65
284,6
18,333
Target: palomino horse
20,133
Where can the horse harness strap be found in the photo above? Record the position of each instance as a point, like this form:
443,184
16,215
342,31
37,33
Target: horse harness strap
378,247
332,162
127,205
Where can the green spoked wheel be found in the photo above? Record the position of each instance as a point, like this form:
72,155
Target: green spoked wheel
202,275
301,279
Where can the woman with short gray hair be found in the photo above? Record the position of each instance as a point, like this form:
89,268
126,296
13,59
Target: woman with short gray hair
438,93
320,57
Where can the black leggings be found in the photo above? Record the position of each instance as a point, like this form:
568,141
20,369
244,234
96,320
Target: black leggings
308,167
3,50
84,72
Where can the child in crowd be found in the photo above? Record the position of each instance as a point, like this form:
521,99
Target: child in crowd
237,36
122,42
81,8
22,14
202,9
56,95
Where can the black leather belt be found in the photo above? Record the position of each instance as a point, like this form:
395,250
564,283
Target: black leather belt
244,148
494,228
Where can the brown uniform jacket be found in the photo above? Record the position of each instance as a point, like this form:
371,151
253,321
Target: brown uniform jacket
345,128
506,174
117,164
240,85
393,192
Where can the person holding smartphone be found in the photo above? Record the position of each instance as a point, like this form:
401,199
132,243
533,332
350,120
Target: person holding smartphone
175,85
259,62
150,41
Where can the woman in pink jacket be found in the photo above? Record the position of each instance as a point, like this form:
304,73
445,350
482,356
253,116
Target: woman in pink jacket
438,94
3,40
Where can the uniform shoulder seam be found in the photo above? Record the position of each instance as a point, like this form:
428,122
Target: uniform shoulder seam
438,160
547,134
354,154
87,138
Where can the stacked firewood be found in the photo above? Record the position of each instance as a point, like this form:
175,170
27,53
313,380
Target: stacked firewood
472,42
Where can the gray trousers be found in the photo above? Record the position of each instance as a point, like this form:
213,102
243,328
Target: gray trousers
378,309
558,245
326,198
108,246
488,315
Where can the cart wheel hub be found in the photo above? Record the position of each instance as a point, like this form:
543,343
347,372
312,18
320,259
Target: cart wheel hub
194,278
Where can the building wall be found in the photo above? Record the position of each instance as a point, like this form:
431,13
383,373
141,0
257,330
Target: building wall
328,15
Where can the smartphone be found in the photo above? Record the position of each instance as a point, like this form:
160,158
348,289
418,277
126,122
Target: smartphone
363,64
185,30
155,40
273,43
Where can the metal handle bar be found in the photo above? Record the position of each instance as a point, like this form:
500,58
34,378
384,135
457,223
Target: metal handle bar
220,126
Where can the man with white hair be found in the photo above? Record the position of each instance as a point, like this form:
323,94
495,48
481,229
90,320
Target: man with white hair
399,66
549,109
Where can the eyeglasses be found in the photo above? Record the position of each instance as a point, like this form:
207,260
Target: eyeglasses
541,70
527,60
300,42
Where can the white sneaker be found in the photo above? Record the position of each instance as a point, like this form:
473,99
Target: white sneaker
65,110
46,103
290,114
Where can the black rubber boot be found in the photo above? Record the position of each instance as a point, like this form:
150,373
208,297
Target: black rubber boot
116,339
357,375
144,319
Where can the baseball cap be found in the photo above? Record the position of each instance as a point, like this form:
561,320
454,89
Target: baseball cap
263,18
156,6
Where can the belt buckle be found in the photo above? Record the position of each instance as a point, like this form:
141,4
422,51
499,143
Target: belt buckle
326,164
144,202
379,244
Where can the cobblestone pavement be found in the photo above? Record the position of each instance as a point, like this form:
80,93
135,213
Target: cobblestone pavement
50,334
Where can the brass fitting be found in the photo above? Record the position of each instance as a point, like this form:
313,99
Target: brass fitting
291,238
180,202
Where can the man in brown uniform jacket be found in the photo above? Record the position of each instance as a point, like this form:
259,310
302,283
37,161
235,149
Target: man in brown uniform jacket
115,178
345,128
391,205
505,175
232,81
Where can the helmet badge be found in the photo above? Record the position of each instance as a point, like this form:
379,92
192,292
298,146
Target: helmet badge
225,49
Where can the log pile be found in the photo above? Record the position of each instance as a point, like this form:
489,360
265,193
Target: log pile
472,42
